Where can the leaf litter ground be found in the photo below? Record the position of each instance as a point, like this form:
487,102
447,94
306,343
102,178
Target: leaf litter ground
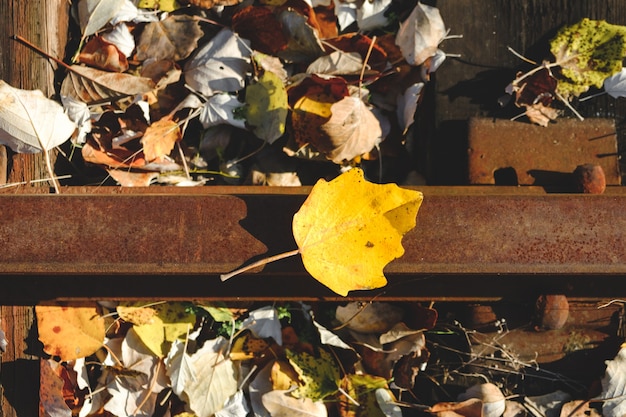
340,359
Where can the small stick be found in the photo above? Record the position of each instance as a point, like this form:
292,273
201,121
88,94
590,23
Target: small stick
260,262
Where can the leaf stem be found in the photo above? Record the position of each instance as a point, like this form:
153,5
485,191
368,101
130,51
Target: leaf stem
260,262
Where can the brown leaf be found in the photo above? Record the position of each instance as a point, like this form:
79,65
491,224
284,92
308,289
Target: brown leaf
103,55
469,408
356,42
175,37
159,139
208,4
91,85
261,27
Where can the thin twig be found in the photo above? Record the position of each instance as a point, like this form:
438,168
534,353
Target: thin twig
258,263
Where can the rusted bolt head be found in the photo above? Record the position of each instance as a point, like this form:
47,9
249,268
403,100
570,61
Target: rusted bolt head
551,312
590,179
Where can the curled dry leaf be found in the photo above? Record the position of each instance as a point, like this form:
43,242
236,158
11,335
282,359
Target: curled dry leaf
469,408
351,130
492,398
369,318
160,138
420,34
100,53
92,85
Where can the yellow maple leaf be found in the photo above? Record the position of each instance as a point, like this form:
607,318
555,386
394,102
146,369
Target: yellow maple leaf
348,229
70,332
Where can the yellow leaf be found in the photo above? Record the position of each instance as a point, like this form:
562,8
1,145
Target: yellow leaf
136,315
162,5
70,332
348,229
319,376
267,107
171,321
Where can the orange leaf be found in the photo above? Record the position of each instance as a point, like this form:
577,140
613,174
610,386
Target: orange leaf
103,55
70,332
159,139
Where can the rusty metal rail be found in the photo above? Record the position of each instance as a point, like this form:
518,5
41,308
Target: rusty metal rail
120,243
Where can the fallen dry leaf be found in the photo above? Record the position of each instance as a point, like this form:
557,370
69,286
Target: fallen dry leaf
174,37
30,122
349,229
160,138
103,55
70,332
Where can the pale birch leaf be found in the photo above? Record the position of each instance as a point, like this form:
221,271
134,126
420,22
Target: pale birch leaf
236,406
614,386
93,15
264,323
337,63
121,37
407,105
615,85
220,109
281,404
30,122
371,14
352,129
214,378
420,34
220,65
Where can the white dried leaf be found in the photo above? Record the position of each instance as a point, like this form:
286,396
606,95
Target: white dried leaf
492,398
93,15
121,37
407,105
346,13
264,323
371,14
236,406
282,404
213,378
220,109
615,85
614,386
420,34
220,65
337,63
30,122
387,403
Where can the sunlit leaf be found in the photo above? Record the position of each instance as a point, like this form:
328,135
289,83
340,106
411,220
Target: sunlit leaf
93,15
174,37
220,65
319,375
420,34
588,52
348,229
30,122
69,332
266,107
